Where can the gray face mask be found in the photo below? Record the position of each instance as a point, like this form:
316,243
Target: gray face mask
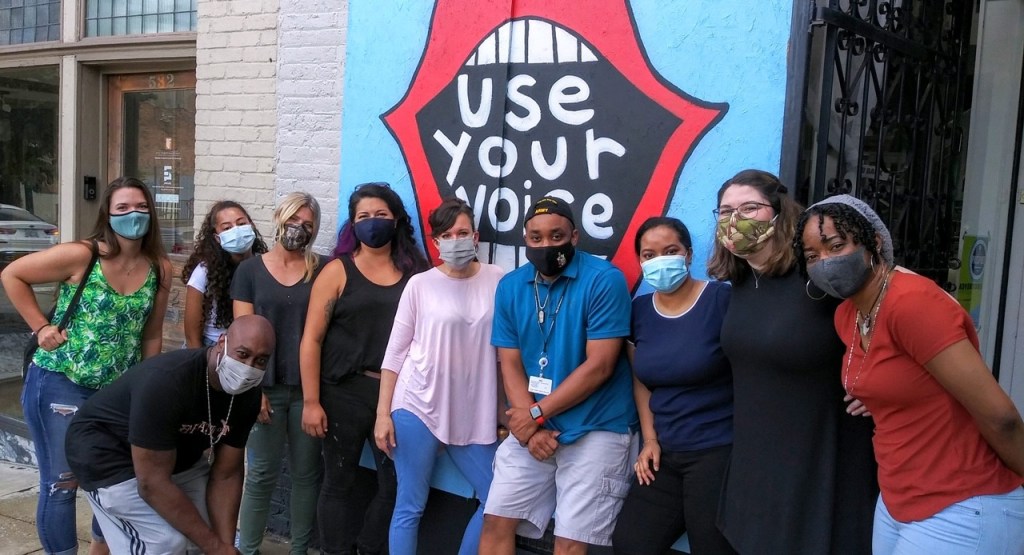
841,276
457,253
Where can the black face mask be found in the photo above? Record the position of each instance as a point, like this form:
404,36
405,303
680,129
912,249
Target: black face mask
551,261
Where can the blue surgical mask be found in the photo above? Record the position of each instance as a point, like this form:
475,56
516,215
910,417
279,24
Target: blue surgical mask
130,225
665,273
238,239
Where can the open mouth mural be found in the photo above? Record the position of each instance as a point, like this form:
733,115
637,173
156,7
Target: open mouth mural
510,104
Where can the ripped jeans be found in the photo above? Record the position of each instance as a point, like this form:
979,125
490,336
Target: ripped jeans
49,401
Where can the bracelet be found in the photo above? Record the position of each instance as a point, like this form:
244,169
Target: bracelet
36,333
650,440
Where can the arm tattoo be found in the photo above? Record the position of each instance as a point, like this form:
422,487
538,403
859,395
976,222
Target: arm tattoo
329,309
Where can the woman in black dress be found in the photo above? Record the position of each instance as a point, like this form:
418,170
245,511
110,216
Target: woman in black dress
802,475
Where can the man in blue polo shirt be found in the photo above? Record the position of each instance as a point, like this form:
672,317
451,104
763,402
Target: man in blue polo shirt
559,325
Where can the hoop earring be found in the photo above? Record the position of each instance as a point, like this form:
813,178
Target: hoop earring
807,289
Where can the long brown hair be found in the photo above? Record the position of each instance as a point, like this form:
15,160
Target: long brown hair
724,265
152,243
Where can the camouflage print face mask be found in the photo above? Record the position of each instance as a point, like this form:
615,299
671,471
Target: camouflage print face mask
744,237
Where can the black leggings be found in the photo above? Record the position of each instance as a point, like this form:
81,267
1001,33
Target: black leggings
351,408
683,498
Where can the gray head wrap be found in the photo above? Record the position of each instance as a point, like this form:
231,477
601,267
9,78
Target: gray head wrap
864,210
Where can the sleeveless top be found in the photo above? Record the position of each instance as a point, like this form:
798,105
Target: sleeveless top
360,325
104,333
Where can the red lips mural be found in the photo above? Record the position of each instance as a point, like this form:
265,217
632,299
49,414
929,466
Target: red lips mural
513,101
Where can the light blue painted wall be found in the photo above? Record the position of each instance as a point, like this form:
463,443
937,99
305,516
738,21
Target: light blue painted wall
717,51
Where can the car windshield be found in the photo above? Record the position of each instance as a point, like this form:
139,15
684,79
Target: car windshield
17,215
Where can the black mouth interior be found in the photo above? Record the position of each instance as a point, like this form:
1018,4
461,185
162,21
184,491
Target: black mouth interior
621,115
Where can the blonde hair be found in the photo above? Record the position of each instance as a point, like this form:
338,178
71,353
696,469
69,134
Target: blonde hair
289,206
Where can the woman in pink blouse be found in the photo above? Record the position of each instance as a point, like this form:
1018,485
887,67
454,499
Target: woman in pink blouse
439,385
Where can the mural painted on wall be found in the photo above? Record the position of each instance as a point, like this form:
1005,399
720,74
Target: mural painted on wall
507,101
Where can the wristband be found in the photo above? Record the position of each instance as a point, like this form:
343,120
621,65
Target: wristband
35,333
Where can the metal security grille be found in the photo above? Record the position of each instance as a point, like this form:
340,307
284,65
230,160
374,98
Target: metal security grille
886,113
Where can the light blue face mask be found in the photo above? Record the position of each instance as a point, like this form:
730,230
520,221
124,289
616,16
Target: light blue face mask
665,273
238,239
130,225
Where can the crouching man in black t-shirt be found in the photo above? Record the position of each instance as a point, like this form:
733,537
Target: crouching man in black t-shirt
160,450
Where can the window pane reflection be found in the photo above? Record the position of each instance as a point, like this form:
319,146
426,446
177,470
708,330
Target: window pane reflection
35,21
28,201
106,17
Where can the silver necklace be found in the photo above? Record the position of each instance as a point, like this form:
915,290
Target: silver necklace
209,415
541,307
757,277
865,331
867,322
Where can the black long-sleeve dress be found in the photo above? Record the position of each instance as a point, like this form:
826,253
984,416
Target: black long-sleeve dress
802,479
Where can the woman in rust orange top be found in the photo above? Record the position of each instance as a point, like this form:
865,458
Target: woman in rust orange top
949,442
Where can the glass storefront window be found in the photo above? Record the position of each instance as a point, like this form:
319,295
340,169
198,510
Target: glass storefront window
159,149
23,21
29,111
104,18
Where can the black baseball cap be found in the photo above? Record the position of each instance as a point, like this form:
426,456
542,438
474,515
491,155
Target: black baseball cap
551,205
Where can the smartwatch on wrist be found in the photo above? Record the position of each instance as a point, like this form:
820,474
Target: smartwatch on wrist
537,414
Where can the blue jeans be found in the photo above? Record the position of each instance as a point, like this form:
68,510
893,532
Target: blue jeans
414,462
988,524
49,400
265,449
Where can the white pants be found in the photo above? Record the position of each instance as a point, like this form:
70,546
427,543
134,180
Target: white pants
131,526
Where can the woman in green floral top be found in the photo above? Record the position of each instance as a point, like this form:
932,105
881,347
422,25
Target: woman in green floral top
117,323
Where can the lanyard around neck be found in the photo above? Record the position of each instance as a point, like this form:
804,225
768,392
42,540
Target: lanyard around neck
541,316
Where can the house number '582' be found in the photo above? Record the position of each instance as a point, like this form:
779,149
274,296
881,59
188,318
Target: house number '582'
161,81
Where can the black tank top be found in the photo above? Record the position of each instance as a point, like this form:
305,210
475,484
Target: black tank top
360,325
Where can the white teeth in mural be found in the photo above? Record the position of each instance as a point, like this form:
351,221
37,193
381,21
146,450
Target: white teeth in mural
530,41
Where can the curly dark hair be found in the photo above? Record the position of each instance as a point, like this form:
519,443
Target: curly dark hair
220,266
849,223
405,255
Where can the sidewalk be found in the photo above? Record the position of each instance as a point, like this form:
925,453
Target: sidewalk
19,489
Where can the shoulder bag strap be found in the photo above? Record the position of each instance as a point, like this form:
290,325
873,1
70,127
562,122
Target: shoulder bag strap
73,305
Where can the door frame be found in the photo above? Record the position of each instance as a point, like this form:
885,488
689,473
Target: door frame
117,85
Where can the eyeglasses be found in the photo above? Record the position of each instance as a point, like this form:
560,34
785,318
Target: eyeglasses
746,211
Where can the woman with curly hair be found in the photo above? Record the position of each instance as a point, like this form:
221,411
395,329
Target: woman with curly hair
351,310
276,285
948,440
225,238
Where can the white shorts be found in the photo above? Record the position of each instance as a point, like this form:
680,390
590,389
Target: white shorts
130,525
587,480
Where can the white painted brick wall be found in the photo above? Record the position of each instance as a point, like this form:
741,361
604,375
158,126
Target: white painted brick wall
311,47
236,106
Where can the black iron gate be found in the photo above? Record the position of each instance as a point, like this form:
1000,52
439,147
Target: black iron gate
884,117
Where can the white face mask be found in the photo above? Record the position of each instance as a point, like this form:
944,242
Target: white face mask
236,376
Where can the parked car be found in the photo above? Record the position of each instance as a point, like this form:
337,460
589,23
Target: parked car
22,232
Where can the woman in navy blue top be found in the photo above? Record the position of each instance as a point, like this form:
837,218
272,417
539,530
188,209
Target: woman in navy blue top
682,384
